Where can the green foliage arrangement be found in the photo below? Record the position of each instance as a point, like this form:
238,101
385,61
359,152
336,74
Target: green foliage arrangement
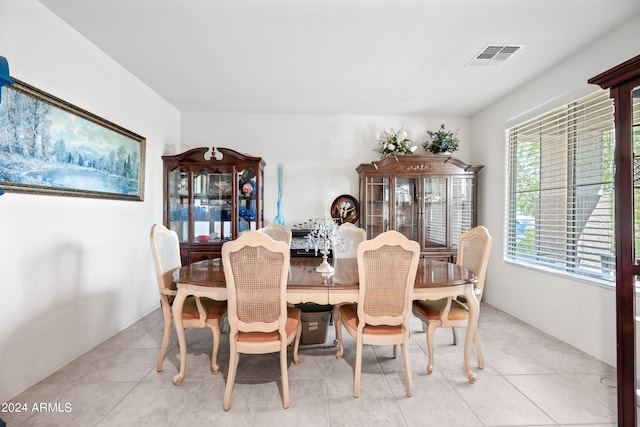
441,141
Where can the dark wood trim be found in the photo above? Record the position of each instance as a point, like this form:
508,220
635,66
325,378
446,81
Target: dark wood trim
621,80
618,75
625,279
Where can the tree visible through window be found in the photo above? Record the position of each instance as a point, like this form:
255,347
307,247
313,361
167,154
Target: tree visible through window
560,190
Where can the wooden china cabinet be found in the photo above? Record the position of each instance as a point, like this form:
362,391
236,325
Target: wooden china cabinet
210,197
623,82
431,199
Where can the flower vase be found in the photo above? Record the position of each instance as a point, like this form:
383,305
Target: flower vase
279,218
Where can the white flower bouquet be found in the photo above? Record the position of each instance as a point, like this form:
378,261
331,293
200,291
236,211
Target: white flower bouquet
392,143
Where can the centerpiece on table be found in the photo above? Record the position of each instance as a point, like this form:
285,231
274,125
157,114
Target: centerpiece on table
392,143
441,141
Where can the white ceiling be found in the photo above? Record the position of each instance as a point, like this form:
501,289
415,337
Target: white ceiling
375,57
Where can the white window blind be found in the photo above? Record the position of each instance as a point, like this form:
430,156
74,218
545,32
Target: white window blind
560,207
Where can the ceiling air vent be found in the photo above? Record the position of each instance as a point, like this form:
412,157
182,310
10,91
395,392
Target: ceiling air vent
493,55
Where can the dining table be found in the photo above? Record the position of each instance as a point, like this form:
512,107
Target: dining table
435,280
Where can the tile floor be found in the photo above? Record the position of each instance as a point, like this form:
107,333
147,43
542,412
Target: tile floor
529,379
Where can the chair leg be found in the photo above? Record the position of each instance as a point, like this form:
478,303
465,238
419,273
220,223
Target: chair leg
178,304
284,375
166,314
454,332
431,329
395,351
476,342
407,369
231,377
334,315
338,322
296,357
358,368
215,329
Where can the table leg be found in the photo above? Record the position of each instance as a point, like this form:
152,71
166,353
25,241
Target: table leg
177,320
474,309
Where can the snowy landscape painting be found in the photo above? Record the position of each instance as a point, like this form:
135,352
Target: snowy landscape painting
48,146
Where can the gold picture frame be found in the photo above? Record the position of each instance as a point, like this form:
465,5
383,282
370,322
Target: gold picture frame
48,146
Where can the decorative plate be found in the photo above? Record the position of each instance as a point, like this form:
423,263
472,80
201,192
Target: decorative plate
345,208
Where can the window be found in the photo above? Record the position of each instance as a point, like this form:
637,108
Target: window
560,206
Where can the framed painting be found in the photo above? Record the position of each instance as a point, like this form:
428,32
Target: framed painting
48,146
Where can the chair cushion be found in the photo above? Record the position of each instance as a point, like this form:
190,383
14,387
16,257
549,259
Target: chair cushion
293,319
215,309
349,316
431,309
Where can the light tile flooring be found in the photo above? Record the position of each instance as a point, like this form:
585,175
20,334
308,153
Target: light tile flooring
529,379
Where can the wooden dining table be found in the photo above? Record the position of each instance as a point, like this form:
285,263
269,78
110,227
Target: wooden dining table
434,280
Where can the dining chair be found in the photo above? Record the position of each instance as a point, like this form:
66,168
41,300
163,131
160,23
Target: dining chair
349,237
387,267
256,270
474,248
277,232
196,312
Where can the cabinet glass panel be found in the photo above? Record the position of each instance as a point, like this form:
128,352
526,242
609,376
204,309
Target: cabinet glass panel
212,193
462,204
406,208
377,206
179,203
246,200
609,262
435,212
635,123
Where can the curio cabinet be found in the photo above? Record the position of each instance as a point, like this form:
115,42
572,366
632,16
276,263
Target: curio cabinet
211,196
431,199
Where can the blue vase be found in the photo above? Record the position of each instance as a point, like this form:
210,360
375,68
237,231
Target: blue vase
279,218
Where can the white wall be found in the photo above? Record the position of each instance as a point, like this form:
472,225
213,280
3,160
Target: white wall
320,153
75,271
579,313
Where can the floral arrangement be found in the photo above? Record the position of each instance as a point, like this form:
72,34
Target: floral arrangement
392,143
441,141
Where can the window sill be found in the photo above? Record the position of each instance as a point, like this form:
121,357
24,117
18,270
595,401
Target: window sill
610,285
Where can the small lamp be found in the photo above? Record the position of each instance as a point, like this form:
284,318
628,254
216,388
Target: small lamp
5,79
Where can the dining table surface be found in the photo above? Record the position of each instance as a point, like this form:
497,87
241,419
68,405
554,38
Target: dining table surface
302,274
434,280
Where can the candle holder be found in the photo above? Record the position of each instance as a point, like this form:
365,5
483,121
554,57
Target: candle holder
323,236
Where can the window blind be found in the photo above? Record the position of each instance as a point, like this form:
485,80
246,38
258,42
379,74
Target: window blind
560,206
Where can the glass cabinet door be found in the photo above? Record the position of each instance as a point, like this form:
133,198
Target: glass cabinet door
406,207
435,213
462,214
635,140
211,208
179,203
377,206
247,201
